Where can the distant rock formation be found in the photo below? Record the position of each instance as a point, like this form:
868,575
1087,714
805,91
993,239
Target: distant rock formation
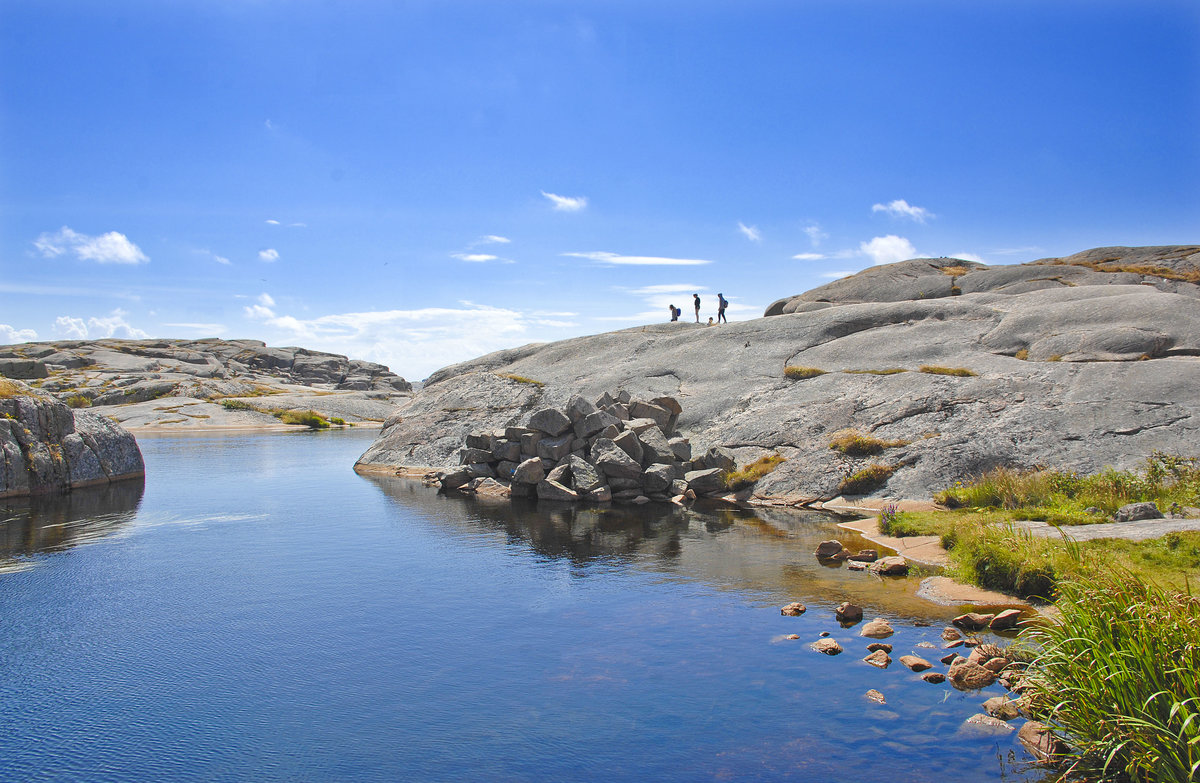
1075,363
190,373
46,447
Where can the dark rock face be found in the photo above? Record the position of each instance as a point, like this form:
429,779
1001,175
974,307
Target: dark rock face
1075,368
45,447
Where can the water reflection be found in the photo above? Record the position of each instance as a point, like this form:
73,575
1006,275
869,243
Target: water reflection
50,523
767,552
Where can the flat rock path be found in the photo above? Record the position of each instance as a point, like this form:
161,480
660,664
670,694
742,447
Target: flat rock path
1131,531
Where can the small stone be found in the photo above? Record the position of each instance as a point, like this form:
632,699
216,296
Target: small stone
890,566
875,696
1005,620
877,629
968,676
953,644
827,550
927,645
854,565
915,662
879,658
1001,707
937,678
948,659
971,641
823,634
950,634
1040,743
874,646
973,621
986,724
848,612
792,637
865,556
827,646
794,609
1134,512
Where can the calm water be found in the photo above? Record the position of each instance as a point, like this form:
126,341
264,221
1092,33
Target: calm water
259,612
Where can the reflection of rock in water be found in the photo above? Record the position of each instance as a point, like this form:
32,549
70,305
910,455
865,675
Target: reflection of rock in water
49,522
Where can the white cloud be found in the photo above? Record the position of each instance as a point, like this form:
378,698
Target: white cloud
888,249
114,325
272,222
751,232
270,255
808,256
678,289
413,343
493,239
613,258
566,203
297,225
969,257
71,328
221,260
476,258
815,234
207,329
901,208
110,248
266,300
836,275
10,335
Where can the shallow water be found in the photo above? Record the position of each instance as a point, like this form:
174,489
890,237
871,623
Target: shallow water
258,611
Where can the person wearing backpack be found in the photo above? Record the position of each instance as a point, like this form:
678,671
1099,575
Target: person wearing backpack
675,312
721,305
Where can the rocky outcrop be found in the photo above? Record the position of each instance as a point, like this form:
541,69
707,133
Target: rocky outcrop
619,449
46,447
168,383
1059,363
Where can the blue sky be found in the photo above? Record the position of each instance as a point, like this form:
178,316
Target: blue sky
418,183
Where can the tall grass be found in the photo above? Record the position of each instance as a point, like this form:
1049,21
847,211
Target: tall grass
853,443
1118,679
1061,496
749,474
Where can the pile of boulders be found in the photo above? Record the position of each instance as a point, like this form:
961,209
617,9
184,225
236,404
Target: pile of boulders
618,449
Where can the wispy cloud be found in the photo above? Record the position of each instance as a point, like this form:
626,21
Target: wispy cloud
815,234
615,258
491,239
111,248
1015,251
221,260
475,258
888,249
969,257
270,255
750,232
808,256
836,275
272,222
10,335
206,329
902,209
112,325
566,203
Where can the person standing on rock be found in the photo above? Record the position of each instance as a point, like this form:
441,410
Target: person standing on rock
721,305
696,297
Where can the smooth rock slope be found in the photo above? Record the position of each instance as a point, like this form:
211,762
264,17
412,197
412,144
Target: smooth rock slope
173,384
1064,364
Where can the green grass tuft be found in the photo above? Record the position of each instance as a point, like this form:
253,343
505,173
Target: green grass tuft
520,379
958,372
1118,679
801,373
78,401
853,443
309,418
866,480
886,371
749,474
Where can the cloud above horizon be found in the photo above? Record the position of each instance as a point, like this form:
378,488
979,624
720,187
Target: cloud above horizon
111,248
808,256
113,325
815,234
10,335
566,203
888,249
902,209
270,255
613,258
751,232
475,258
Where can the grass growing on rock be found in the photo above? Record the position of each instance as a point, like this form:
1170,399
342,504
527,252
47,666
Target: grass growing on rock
9,389
749,474
853,443
309,418
866,480
78,401
796,373
237,405
1118,678
885,371
520,379
958,372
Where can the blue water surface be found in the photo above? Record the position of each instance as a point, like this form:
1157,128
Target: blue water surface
260,612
